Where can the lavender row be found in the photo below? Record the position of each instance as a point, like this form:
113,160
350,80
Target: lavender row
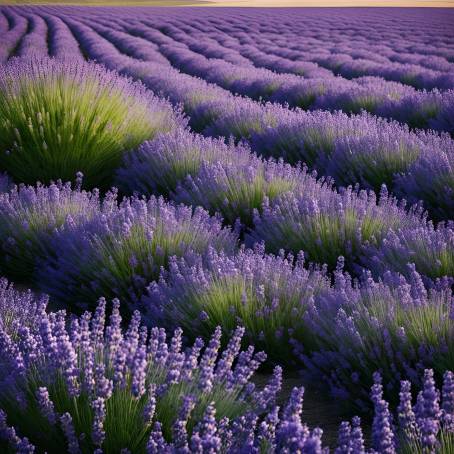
299,136
34,43
391,100
169,398
62,43
63,238
77,247
288,208
301,319
12,37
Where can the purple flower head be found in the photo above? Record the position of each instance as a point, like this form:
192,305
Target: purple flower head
382,431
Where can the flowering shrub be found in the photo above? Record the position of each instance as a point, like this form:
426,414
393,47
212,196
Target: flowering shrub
266,294
396,327
30,215
429,249
121,251
237,189
61,117
157,166
326,225
372,161
90,385
431,179
19,308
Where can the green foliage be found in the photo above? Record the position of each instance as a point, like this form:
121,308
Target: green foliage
56,120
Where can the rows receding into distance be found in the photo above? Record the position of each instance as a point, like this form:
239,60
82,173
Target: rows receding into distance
288,171
122,42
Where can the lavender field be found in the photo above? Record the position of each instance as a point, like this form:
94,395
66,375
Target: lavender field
208,214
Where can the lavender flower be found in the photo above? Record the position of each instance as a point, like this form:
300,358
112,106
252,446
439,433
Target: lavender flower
121,251
382,433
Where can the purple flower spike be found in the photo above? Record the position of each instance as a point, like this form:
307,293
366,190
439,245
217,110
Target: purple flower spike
68,429
46,405
428,412
448,401
382,432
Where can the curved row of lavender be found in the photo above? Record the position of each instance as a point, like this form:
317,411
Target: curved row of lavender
181,266
317,89
87,384
388,99
360,149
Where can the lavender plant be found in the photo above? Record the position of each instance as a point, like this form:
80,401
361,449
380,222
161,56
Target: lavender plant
326,225
120,252
61,117
30,215
396,327
18,308
235,189
88,386
158,166
431,179
373,160
266,294
430,249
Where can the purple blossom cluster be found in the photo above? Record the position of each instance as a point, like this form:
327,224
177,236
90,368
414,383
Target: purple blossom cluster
135,376
29,217
160,165
237,189
122,248
425,426
429,249
395,326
